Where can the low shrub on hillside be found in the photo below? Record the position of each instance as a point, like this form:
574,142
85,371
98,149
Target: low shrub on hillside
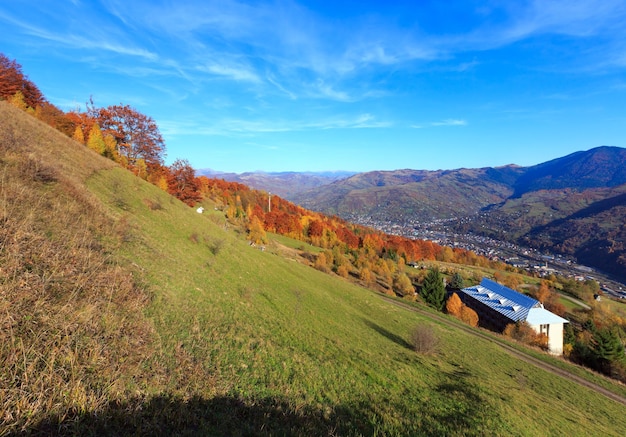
424,340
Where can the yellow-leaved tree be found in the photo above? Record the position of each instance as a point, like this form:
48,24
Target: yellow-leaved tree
403,285
96,140
79,135
256,233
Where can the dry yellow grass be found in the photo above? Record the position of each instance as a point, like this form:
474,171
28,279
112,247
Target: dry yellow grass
70,316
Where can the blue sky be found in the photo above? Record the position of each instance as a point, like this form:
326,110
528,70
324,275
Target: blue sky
339,85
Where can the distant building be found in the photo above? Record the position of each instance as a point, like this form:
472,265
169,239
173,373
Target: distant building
498,306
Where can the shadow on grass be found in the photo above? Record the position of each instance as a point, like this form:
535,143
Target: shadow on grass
463,408
168,415
455,408
387,334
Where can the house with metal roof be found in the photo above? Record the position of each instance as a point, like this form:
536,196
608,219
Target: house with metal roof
498,306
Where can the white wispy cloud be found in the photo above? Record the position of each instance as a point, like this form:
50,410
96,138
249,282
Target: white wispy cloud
570,17
368,121
98,39
296,45
239,73
274,81
242,127
322,89
446,122
290,39
450,122
289,51
527,19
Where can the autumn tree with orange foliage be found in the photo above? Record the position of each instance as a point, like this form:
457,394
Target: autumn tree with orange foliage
403,285
79,135
456,308
469,316
136,135
13,80
343,271
543,292
96,141
322,262
453,305
366,275
54,117
549,299
256,233
159,175
182,182
315,229
80,121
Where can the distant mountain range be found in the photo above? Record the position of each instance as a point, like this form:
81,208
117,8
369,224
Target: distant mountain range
284,184
574,205
429,195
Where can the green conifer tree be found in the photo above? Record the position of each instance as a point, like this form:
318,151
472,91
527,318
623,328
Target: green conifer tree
456,283
433,290
606,348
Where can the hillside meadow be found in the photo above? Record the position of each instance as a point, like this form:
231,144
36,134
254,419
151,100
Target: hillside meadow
123,311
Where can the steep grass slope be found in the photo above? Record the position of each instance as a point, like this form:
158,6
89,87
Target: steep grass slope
72,331
233,340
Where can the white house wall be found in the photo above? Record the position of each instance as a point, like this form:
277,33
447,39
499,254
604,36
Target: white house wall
555,337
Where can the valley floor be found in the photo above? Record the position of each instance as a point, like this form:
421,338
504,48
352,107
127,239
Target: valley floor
531,260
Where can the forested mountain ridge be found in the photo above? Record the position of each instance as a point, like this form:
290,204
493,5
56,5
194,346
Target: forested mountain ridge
599,167
445,194
413,194
572,205
588,225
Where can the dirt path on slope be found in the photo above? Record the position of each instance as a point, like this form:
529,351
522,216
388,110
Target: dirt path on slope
576,301
519,354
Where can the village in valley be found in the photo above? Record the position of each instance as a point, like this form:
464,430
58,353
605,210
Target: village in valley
528,259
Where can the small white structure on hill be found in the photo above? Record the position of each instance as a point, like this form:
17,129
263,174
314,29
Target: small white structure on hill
497,306
200,210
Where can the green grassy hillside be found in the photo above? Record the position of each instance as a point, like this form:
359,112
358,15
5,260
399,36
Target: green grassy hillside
144,317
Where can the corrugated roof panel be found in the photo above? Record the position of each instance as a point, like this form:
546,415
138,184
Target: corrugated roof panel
506,307
512,295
